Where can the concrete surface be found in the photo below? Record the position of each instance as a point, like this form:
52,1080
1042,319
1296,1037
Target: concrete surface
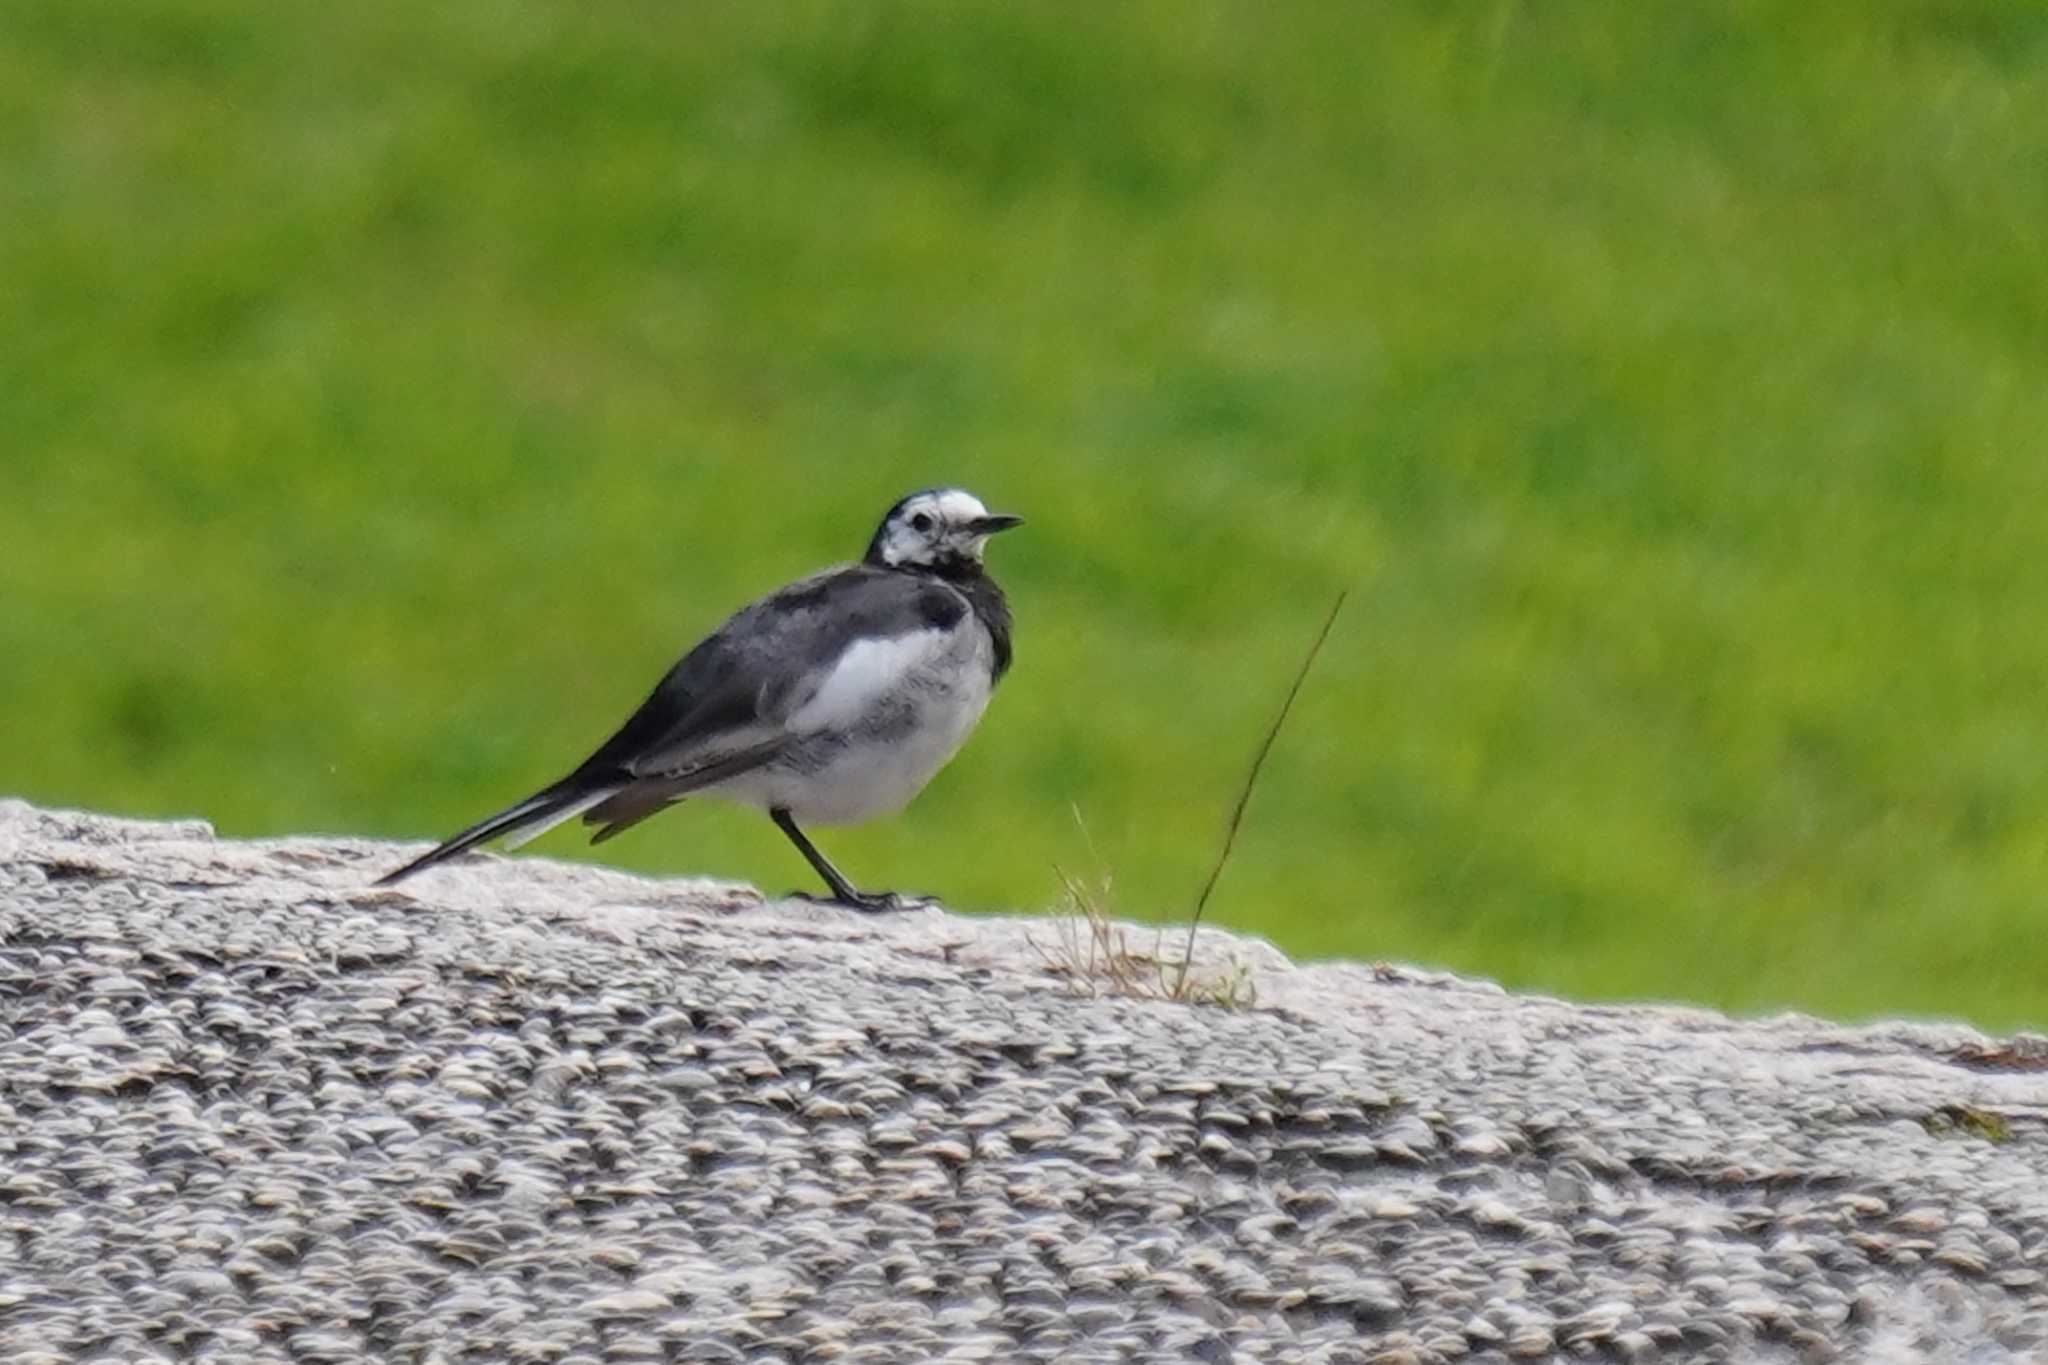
252,1110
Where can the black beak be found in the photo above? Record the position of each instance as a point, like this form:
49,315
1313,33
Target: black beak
994,522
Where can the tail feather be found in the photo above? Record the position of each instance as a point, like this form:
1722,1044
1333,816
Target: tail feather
531,818
526,834
621,808
617,818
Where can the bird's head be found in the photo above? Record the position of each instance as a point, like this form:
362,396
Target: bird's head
941,530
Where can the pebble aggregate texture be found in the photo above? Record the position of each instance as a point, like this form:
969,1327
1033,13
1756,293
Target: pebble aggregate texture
252,1110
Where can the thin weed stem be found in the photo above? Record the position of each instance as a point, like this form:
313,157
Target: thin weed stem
1251,780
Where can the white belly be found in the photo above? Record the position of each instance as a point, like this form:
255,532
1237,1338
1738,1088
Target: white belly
876,731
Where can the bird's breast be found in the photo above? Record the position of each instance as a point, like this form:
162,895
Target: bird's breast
878,727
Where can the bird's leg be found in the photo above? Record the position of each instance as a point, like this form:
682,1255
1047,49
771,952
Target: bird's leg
843,891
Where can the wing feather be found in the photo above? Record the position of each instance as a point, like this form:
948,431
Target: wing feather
737,692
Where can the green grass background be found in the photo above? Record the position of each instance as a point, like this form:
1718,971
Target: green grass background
389,391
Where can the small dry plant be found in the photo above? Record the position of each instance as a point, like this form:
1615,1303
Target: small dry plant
1094,953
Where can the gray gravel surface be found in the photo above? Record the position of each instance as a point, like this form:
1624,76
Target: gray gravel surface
252,1110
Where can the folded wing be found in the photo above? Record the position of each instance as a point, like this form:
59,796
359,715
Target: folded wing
810,657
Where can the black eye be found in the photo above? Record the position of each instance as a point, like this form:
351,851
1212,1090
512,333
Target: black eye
921,522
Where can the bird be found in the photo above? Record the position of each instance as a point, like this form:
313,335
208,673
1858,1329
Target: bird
831,701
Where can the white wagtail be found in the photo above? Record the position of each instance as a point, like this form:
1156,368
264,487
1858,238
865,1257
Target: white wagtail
832,701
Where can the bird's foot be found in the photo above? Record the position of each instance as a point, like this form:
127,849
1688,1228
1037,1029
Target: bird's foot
868,902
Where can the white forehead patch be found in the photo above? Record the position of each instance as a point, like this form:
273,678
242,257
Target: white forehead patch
957,506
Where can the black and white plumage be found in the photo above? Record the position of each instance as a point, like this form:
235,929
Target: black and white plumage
832,701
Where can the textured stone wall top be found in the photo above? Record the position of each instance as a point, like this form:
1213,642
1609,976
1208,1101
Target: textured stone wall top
252,1110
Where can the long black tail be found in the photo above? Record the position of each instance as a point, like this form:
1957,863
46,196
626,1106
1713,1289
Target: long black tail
534,816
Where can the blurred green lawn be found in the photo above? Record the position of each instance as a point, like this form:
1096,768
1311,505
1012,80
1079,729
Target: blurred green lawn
390,391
